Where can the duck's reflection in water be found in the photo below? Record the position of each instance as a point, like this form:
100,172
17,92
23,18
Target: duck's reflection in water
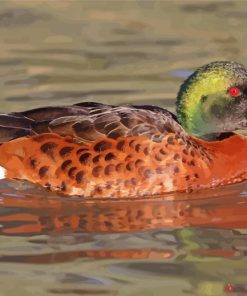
41,215
224,207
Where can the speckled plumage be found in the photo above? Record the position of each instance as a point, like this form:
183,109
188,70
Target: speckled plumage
118,152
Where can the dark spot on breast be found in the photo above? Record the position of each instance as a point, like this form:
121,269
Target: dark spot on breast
162,151
158,157
192,153
189,189
176,170
133,181
98,189
42,171
48,148
96,171
138,147
119,167
146,151
79,176
101,146
129,165
128,157
71,172
96,158
132,143
109,156
33,163
176,156
192,162
110,168
81,150
196,175
147,173
65,164
120,145
187,178
138,163
84,158
185,152
65,151
108,223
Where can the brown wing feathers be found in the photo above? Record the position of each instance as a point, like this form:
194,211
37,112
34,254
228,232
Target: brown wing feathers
88,122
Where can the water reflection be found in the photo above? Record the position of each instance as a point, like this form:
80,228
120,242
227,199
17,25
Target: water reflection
184,245
41,212
121,243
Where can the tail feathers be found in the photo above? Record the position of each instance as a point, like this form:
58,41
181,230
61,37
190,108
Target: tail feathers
9,133
10,120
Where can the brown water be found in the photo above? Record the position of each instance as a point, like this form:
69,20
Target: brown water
62,52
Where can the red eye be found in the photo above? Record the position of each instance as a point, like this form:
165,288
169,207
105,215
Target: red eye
234,91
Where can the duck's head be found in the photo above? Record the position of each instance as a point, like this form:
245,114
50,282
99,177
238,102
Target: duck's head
213,100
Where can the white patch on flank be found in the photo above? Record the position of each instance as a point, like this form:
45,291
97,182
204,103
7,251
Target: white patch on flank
2,173
76,191
169,184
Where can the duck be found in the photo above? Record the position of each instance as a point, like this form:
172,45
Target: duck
94,150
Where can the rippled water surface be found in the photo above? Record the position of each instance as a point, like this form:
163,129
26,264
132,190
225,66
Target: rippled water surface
63,52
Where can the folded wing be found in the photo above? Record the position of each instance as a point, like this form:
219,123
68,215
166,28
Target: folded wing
89,122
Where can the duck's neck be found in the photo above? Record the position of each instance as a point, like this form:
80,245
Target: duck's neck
229,158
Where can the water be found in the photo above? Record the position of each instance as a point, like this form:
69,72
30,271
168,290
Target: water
55,53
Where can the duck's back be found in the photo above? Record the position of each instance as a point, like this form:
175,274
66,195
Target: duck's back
87,122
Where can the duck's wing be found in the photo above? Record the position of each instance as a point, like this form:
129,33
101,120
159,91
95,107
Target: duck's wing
88,122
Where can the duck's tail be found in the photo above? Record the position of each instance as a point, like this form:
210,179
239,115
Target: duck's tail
14,126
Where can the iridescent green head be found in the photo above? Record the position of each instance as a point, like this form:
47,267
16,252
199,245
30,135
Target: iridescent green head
213,100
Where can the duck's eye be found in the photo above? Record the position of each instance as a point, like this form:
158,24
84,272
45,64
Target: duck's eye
234,91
